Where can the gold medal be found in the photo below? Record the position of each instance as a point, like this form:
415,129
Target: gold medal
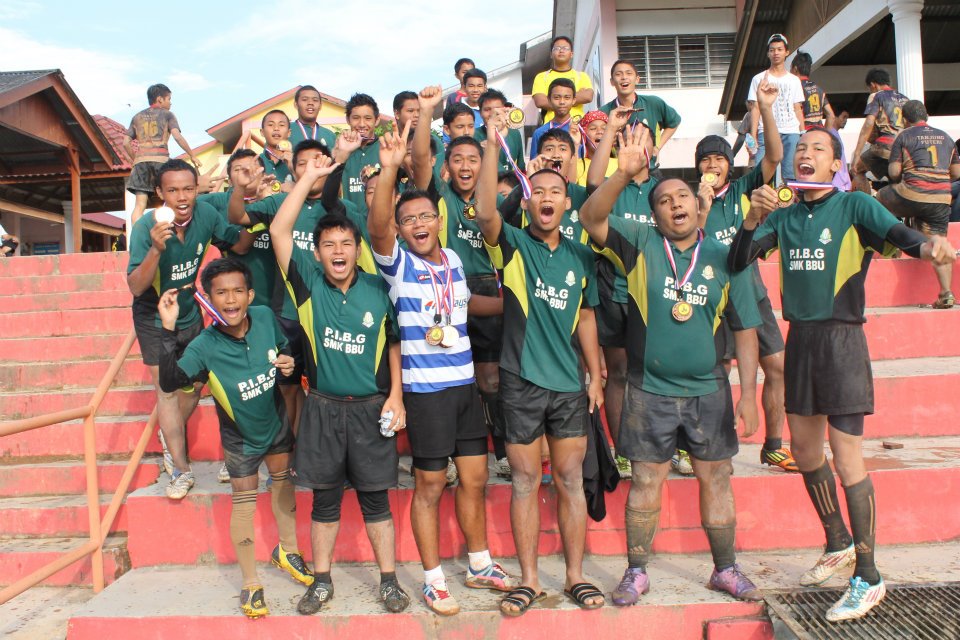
435,335
275,187
709,178
516,118
575,120
450,336
785,196
682,311
469,211
284,145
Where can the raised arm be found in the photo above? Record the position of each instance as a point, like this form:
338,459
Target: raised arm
595,212
488,218
617,119
767,93
281,229
185,146
744,249
381,222
429,98
236,206
142,277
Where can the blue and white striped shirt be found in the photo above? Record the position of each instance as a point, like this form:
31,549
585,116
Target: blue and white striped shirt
427,368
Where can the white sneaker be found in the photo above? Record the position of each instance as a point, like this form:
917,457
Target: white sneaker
223,475
681,463
859,598
829,564
451,473
166,462
502,468
180,486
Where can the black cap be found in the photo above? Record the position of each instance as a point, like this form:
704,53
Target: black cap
714,145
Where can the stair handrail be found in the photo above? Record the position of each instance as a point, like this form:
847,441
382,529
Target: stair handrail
99,527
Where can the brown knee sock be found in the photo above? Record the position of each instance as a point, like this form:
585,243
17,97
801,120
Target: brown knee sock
641,528
241,533
284,505
862,507
721,539
822,488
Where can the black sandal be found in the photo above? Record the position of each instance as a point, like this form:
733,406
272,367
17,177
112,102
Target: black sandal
583,591
522,598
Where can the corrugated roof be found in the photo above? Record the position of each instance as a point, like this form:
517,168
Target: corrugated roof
10,80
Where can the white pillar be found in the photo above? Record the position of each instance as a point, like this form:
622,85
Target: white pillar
906,24
14,229
67,246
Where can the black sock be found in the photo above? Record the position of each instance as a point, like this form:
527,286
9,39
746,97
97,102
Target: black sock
493,415
721,539
862,507
641,528
772,444
388,576
323,577
822,488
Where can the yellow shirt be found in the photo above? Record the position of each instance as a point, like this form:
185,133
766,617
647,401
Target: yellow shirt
541,84
583,166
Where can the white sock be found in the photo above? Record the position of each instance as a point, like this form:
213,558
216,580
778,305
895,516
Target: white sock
480,560
435,577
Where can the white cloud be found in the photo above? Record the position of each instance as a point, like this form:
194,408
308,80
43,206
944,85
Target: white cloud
104,82
187,81
17,9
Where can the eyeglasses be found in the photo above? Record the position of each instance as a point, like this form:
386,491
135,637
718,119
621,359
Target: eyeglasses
561,49
426,216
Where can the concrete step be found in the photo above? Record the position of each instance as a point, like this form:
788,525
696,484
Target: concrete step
78,347
33,377
116,436
19,558
773,512
41,612
52,516
148,602
67,300
77,263
118,401
69,477
77,283
36,324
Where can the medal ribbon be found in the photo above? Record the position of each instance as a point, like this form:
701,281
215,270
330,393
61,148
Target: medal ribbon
303,130
554,125
209,308
693,263
521,176
804,185
444,301
718,195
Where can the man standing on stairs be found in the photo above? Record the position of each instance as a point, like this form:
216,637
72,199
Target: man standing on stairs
239,359
724,201
679,287
353,365
826,242
167,246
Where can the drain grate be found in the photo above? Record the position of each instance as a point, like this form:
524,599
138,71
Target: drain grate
909,612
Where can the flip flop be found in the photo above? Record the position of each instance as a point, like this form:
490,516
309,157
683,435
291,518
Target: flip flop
581,592
529,596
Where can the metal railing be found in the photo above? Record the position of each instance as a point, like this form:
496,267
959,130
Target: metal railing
99,527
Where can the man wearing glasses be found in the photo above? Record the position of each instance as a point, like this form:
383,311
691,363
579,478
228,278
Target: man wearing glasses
561,66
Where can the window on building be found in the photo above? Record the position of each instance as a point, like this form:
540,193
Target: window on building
679,62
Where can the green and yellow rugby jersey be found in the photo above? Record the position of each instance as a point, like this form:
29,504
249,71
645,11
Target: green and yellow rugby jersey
179,261
825,251
352,185
632,204
570,227
240,374
348,333
665,356
458,231
300,132
543,291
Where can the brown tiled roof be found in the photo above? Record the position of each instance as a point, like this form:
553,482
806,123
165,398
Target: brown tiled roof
115,132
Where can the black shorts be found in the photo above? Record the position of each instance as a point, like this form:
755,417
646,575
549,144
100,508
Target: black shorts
148,336
877,160
529,411
298,344
652,426
143,178
827,370
612,323
240,464
486,332
768,334
930,218
339,439
437,421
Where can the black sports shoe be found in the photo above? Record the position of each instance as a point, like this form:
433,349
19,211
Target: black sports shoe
312,601
394,598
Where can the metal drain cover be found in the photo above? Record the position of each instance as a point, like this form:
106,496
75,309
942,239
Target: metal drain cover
909,612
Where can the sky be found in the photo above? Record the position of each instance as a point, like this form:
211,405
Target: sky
219,61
